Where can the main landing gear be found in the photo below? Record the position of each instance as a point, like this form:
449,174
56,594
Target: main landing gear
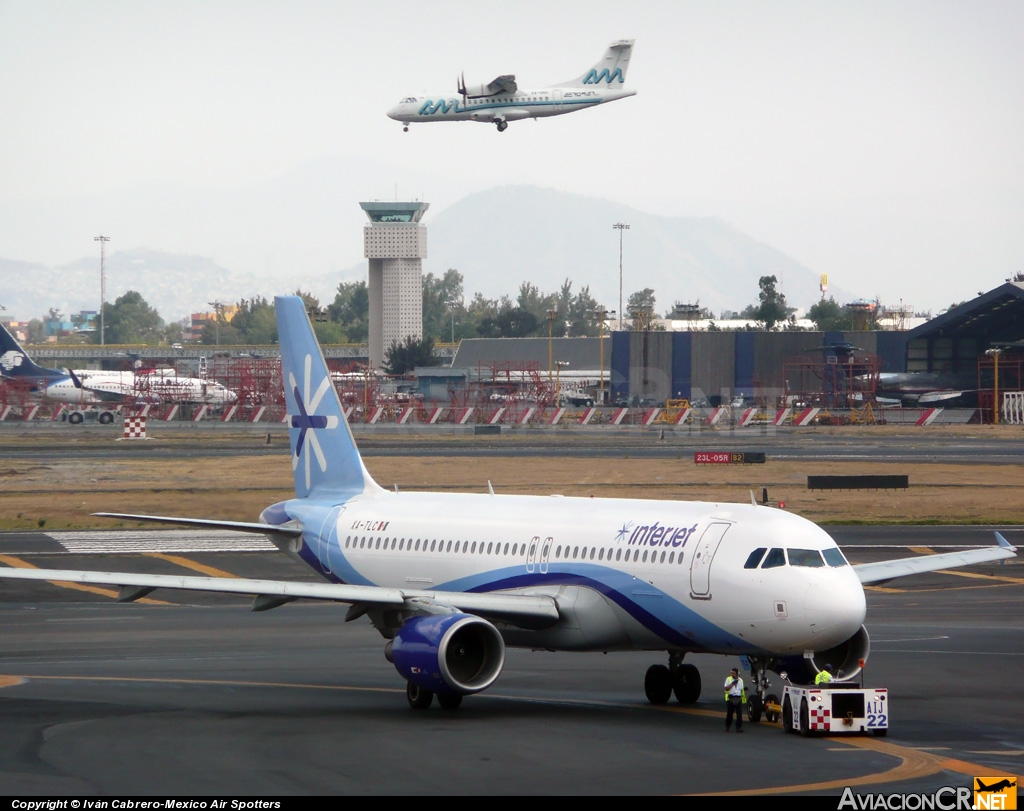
759,700
683,680
501,124
420,699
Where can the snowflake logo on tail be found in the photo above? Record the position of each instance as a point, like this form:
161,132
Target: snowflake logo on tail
308,421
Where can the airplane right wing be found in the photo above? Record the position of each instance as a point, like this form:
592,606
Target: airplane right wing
523,610
886,570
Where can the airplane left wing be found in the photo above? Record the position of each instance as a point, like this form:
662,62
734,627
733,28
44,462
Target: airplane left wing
886,570
523,610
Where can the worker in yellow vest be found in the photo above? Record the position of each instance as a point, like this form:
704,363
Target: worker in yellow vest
735,698
824,675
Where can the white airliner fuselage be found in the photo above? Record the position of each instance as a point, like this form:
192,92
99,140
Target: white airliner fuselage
502,101
157,386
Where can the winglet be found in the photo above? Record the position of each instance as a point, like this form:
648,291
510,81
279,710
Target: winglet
1003,542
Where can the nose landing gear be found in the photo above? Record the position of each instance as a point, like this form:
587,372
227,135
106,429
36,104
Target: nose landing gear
761,702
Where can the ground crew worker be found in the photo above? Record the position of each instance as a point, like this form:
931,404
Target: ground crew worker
735,698
824,675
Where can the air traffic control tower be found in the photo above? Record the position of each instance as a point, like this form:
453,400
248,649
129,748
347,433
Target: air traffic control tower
396,245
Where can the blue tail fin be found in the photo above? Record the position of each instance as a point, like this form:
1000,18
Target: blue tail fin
325,460
15,363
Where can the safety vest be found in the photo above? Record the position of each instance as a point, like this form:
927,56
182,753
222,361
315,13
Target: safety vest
743,693
823,677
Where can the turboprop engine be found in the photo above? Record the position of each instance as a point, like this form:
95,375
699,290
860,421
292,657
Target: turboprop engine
846,658
448,653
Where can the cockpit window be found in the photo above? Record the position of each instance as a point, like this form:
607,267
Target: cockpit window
755,558
774,558
805,557
834,558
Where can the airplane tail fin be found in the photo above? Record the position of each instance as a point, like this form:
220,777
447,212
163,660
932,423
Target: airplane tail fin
15,363
325,460
610,71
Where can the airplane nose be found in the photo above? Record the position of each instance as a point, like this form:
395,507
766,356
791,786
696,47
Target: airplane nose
395,112
835,608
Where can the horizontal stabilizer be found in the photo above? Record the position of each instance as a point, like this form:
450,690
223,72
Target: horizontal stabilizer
206,523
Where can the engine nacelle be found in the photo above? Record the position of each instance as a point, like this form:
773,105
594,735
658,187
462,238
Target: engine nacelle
448,653
845,659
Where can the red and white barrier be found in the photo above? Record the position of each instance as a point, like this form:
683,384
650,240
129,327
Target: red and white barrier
258,413
717,414
200,413
527,415
228,415
556,416
497,415
172,413
618,416
587,416
806,417
747,416
929,416
781,416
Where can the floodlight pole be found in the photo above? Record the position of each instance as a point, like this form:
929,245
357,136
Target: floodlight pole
620,227
103,282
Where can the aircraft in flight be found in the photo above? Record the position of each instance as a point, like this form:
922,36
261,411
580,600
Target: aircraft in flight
501,101
92,387
449,580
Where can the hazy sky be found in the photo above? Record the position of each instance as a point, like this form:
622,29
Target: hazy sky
879,142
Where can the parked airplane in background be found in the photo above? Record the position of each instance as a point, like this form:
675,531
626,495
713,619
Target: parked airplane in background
451,579
91,387
501,100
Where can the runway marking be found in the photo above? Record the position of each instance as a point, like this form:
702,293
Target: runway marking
921,550
195,566
914,763
1002,577
1008,581
18,563
121,541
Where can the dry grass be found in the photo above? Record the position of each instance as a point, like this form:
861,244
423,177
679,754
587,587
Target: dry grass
62,494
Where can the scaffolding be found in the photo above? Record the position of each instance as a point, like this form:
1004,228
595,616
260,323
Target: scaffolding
832,381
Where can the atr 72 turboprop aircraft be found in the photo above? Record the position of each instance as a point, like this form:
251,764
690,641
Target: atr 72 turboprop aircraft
91,387
502,101
450,579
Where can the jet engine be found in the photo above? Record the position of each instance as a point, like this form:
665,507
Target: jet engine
845,658
448,653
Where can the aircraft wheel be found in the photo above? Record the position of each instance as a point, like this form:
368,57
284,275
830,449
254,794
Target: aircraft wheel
419,699
658,684
75,418
687,686
502,126
449,701
771,716
405,129
754,709
805,719
787,716
106,418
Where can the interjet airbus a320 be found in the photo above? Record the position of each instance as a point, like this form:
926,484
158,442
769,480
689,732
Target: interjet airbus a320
502,101
450,579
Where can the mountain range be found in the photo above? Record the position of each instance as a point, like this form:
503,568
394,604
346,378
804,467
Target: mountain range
496,238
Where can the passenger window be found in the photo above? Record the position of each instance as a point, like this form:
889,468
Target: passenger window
755,558
773,559
834,558
805,557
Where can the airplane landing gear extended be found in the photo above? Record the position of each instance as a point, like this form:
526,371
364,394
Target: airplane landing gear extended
682,680
501,124
759,700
